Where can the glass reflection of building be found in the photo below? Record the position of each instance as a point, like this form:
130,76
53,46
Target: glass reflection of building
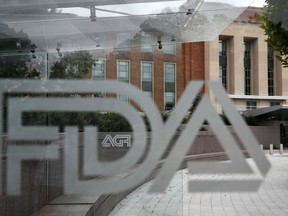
235,58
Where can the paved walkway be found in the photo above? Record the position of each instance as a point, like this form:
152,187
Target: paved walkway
271,199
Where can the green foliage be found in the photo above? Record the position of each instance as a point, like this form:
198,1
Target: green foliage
275,25
195,104
74,65
106,122
250,120
225,119
58,71
14,60
164,116
112,122
9,39
147,123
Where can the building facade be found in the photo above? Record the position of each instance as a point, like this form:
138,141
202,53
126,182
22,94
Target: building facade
157,72
246,66
239,58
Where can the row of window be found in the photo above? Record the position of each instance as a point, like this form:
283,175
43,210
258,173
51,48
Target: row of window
123,74
247,59
253,104
147,39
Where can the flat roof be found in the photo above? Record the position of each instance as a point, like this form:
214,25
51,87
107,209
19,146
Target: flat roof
265,110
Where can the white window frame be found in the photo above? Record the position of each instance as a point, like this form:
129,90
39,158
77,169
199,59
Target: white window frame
175,83
152,77
169,47
123,45
121,97
128,72
250,106
104,69
146,46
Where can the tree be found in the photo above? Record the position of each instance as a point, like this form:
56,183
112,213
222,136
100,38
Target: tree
275,24
15,55
74,65
15,61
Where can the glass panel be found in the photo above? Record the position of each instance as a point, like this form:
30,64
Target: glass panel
146,71
169,47
270,65
123,70
247,67
98,70
78,29
223,62
123,41
250,105
76,124
169,72
146,42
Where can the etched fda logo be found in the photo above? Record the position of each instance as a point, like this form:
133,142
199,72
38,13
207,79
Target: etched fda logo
161,135
117,141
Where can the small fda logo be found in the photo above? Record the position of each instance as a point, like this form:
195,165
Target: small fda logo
116,141
159,138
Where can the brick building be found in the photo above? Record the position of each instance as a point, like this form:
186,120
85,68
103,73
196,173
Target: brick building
239,58
162,74
157,72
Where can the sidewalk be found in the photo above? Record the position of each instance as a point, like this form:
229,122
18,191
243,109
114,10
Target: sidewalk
271,198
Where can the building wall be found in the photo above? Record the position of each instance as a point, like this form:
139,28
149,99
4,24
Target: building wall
189,60
200,61
193,61
246,28
158,58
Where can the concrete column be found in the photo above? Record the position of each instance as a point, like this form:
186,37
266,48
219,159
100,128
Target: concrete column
281,149
284,80
260,68
237,65
212,53
271,151
261,147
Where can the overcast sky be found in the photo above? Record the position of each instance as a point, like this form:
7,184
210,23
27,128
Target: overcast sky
151,8
258,3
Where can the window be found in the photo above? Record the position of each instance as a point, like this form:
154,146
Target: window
146,69
169,47
247,81
169,100
98,73
169,96
146,76
247,49
270,71
123,98
123,75
275,103
147,93
98,70
247,67
146,41
250,105
123,41
223,62
123,71
169,73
